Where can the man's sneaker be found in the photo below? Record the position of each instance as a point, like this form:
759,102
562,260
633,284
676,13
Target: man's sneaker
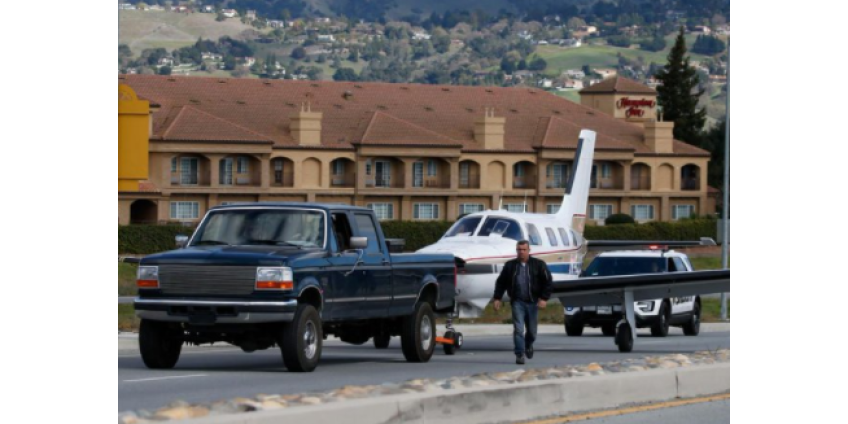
529,353
519,359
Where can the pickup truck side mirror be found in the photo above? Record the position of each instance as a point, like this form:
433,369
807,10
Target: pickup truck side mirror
181,241
358,242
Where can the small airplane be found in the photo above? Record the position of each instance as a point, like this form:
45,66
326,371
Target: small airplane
483,242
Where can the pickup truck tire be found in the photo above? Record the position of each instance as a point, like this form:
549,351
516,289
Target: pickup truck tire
660,329
160,344
418,338
573,327
382,341
693,327
301,340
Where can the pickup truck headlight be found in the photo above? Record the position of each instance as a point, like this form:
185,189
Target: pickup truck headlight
645,306
148,277
277,278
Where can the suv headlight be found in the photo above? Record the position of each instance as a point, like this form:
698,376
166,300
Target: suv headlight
148,277
277,278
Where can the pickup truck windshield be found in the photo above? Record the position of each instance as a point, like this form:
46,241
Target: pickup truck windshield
603,267
267,227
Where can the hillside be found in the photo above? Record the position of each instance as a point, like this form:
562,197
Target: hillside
144,30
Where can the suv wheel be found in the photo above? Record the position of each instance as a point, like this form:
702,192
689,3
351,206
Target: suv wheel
693,327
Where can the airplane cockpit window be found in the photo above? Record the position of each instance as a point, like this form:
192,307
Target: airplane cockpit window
465,227
503,227
566,241
535,237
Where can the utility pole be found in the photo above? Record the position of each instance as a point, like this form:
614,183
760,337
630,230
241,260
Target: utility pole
725,245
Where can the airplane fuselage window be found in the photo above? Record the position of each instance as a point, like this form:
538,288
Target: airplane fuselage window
465,227
535,237
564,236
506,228
552,236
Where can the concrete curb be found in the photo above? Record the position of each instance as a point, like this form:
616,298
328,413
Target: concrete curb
522,401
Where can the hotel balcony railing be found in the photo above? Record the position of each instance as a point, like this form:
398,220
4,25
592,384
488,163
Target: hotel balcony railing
691,184
382,182
472,181
526,182
341,181
556,183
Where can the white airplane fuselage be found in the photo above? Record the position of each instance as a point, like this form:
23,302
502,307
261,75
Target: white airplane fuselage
484,256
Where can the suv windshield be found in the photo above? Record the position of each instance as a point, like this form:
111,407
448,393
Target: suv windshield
602,267
265,227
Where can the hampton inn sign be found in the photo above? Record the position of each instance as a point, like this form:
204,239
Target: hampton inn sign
635,107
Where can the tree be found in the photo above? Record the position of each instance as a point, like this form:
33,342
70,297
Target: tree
679,93
507,65
656,44
713,141
538,64
165,70
345,74
298,53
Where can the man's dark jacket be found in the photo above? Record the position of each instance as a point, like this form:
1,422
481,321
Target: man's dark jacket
541,282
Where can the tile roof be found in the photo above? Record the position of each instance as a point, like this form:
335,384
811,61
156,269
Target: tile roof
619,85
253,110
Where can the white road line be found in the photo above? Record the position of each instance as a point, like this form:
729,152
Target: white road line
166,378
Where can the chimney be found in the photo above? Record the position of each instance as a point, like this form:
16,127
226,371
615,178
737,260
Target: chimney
659,136
489,131
306,126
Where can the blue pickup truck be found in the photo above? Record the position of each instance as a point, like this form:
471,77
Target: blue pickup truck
262,275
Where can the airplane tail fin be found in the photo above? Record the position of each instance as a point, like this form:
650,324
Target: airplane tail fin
576,198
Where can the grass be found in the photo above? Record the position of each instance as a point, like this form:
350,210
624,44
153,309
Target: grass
127,320
144,30
711,311
126,279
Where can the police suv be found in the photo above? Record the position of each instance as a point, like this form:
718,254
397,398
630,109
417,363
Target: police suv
657,314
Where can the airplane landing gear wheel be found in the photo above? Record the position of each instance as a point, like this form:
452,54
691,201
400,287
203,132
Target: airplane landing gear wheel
450,349
459,340
624,338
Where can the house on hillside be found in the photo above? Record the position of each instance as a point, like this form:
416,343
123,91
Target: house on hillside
126,6
605,73
208,9
545,83
229,13
419,36
155,8
704,30
250,15
166,61
248,61
214,57
276,24
326,38
574,74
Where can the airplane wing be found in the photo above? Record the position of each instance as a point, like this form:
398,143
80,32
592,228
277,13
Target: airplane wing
642,244
593,291
626,290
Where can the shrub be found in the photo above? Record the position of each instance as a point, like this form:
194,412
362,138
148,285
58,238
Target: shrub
619,218
148,239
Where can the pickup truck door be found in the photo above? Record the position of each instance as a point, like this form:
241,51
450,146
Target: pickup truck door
345,294
376,271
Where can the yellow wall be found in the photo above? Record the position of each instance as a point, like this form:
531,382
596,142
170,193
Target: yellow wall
133,136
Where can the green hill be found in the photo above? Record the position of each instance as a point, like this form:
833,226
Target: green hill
143,30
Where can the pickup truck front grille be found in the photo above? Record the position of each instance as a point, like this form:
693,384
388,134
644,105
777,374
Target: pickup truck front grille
206,280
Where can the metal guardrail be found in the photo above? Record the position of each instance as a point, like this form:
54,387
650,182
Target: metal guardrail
128,260
125,300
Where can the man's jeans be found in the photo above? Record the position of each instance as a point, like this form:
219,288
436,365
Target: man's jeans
524,315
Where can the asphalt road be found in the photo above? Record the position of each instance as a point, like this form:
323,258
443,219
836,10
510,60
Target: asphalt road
210,374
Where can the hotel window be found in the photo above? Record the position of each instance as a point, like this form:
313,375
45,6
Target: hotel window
278,171
556,175
517,208
464,172
226,171
425,211
368,167
383,171
606,171
338,168
642,212
243,165
185,210
432,169
174,165
519,170
682,211
188,171
384,211
600,212
467,208
553,209
418,174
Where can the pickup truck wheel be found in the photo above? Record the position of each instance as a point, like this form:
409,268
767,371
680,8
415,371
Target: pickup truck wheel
301,340
160,344
382,341
573,327
660,329
693,327
418,339
608,330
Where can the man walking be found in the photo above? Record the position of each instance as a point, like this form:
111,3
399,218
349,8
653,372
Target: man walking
528,283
